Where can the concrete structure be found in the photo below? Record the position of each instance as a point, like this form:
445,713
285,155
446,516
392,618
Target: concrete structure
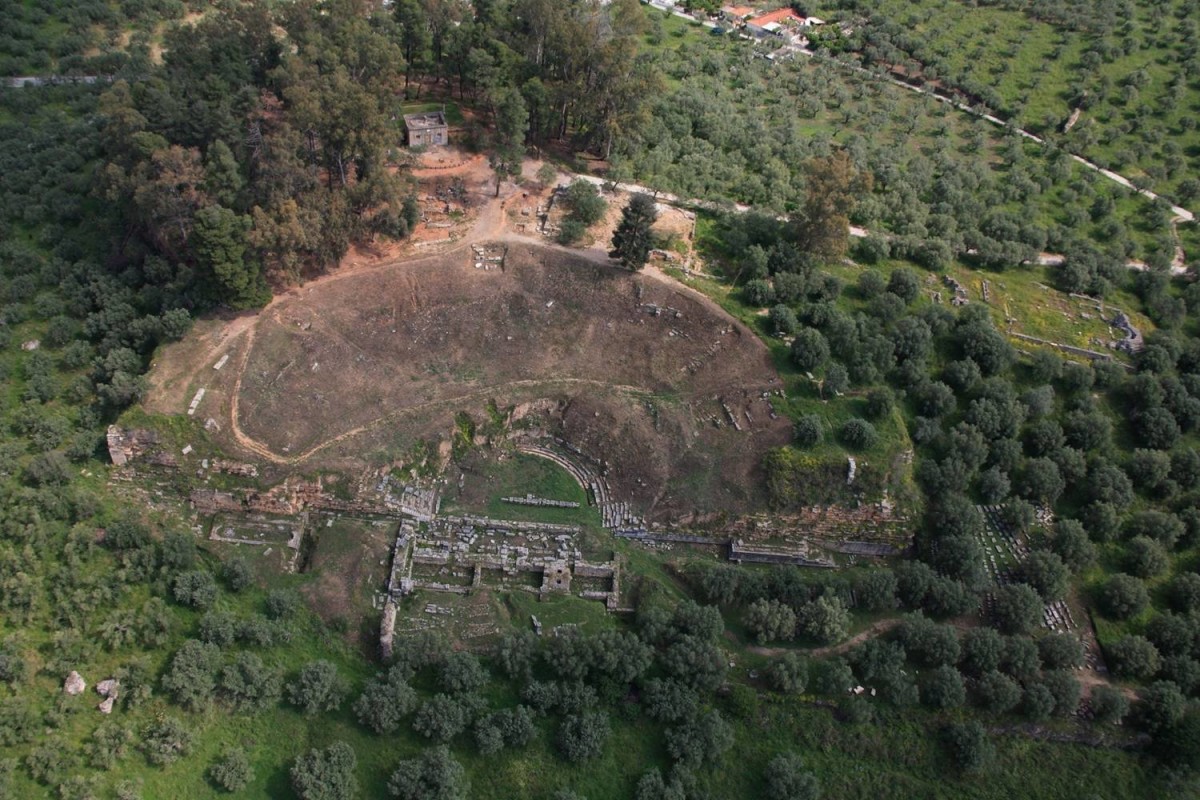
426,129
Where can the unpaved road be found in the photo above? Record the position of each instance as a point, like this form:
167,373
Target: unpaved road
876,629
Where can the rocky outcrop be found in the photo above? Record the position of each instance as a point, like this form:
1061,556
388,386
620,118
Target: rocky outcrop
125,445
74,684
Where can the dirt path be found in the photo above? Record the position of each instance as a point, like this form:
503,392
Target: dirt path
1044,259
169,380
261,449
876,629
601,257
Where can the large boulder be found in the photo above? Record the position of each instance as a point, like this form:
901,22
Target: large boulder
74,684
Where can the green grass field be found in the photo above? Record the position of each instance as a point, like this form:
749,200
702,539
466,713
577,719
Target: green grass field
516,475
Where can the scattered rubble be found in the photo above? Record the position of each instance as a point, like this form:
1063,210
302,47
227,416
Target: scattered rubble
531,500
960,292
1133,341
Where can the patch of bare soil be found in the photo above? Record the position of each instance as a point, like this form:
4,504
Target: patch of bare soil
182,367
642,374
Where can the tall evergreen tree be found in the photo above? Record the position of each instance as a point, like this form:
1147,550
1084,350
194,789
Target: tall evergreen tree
632,239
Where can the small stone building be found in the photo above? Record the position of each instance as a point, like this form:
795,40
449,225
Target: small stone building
426,129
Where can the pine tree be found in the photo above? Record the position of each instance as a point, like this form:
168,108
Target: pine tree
632,240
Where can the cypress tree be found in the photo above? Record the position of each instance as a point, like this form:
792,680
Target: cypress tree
632,239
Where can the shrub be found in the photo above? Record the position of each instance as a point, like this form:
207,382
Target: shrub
1133,657
1184,592
771,620
232,772
582,736
570,231
808,430
668,700
441,718
1146,558
192,677
1060,651
826,620
433,775
943,688
858,434
385,701
786,779
238,574
1159,706
758,293
166,740
968,745
282,603
326,774
196,589
1017,608
319,687
585,203
462,673
1046,573
997,692
809,349
788,674
1039,702
880,402
783,321
248,684
1108,704
1123,597
702,739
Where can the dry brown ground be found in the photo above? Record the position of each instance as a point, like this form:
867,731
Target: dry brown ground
347,364
358,365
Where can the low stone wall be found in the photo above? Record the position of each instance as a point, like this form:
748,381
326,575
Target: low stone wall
664,536
1095,355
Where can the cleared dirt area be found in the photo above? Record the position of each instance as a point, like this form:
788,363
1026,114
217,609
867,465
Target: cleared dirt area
642,375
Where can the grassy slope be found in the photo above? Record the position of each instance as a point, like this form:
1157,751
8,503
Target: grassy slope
1033,64
876,113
